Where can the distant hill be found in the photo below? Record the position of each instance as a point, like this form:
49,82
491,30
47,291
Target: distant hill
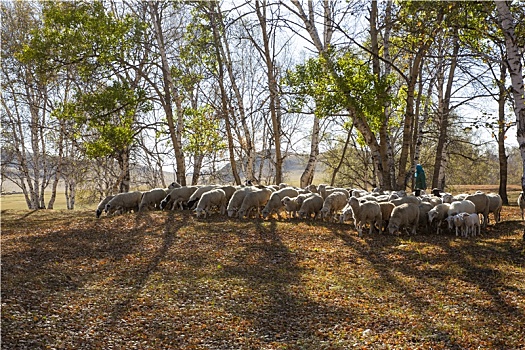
293,167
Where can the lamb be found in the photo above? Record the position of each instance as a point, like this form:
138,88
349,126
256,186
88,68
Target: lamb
209,199
124,201
495,206
254,199
521,204
365,212
192,201
457,222
102,205
293,205
311,205
471,224
151,199
275,205
235,202
346,214
481,201
178,197
333,204
404,216
438,214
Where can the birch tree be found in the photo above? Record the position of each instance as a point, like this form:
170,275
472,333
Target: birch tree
515,67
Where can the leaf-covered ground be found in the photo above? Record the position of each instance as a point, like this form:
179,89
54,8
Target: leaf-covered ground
167,280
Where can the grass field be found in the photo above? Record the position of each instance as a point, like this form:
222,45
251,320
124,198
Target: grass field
165,280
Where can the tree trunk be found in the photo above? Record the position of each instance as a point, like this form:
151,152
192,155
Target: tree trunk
197,166
308,174
224,96
502,129
170,94
438,180
343,155
516,74
275,101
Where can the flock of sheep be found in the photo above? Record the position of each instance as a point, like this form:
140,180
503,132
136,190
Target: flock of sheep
383,211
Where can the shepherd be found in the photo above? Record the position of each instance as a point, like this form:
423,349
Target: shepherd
421,179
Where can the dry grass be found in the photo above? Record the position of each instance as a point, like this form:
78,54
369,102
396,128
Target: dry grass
167,280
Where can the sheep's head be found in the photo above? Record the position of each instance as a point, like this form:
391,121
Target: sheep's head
231,212
265,213
199,212
432,215
164,202
99,212
393,228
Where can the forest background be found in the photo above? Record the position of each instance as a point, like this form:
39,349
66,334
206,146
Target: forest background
107,96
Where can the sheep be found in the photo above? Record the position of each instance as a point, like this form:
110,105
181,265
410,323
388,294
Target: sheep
254,199
152,199
311,205
495,205
432,200
404,216
293,205
447,198
102,205
521,204
463,206
333,203
424,209
346,214
406,199
229,191
124,201
365,212
178,197
438,214
386,212
173,185
192,201
471,224
209,199
456,222
275,205
325,191
235,201
481,201
311,188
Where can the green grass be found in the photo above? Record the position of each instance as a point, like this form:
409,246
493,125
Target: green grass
168,280
17,202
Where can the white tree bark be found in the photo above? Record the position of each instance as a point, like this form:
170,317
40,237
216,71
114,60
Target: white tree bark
515,67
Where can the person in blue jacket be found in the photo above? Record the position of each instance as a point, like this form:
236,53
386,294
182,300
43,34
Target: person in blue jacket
421,179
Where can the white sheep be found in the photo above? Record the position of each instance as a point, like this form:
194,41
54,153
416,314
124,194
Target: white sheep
406,199
386,212
495,205
366,212
192,201
151,199
274,204
438,214
463,206
173,185
229,191
210,199
424,209
102,205
521,204
178,197
481,201
254,200
347,214
404,216
456,222
472,224
325,191
311,205
333,203
235,202
124,202
293,205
